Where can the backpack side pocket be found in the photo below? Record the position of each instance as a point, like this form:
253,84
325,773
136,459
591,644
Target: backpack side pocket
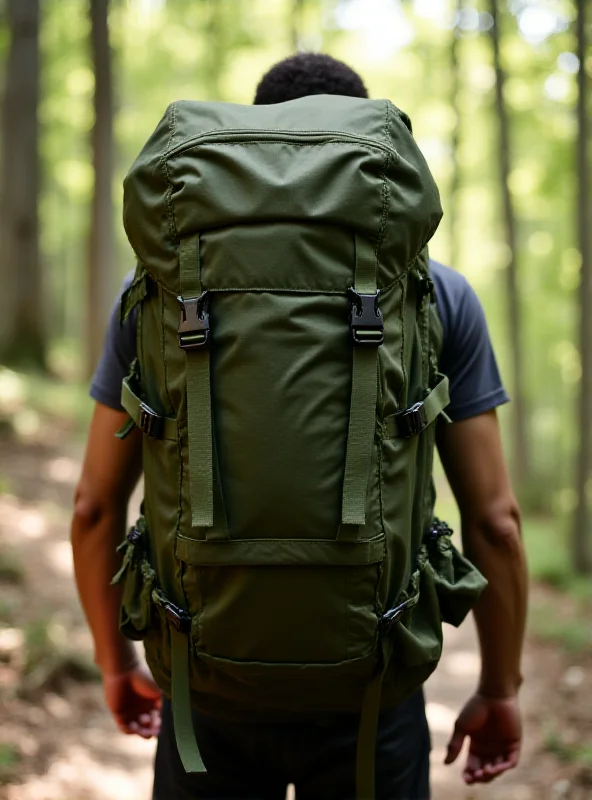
458,583
139,579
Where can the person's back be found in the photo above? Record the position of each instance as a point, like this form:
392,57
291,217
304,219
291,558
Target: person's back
316,754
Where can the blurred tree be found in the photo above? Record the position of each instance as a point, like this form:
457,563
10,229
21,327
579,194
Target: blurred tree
581,540
216,51
295,23
455,137
21,300
101,267
520,460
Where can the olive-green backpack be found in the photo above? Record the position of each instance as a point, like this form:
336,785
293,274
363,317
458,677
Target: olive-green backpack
287,561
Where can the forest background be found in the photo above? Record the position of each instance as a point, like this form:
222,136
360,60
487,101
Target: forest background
498,93
493,96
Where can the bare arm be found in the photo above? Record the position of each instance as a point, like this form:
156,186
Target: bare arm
473,460
110,472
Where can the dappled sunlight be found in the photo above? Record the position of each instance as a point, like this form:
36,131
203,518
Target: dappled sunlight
32,524
462,664
76,774
440,717
59,555
63,470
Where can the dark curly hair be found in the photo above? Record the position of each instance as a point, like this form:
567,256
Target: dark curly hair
305,74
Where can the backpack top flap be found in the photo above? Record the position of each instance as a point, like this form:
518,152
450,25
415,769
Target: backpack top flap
331,159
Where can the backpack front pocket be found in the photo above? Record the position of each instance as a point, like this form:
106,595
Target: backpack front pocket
287,613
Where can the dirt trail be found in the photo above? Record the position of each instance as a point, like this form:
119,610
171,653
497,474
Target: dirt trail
63,741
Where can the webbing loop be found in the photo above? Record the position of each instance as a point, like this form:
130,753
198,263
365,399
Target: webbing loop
414,420
145,418
362,415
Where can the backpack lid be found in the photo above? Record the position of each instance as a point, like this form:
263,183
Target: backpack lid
324,158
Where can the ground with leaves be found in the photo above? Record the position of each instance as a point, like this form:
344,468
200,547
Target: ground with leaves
57,741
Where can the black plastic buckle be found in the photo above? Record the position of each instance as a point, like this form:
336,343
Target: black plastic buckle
439,529
366,322
179,619
412,421
150,422
134,535
390,618
194,324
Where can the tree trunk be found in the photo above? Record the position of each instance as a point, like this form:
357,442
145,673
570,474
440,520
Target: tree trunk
455,139
295,23
581,546
519,427
216,51
101,268
21,299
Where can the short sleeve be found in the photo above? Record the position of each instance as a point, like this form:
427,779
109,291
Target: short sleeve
467,355
118,353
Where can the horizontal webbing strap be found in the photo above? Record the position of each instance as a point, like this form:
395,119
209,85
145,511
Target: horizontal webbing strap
412,421
147,420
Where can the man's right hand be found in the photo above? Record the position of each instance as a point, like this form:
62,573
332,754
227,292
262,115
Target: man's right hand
134,700
495,731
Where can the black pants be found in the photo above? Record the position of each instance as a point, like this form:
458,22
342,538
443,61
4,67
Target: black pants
257,760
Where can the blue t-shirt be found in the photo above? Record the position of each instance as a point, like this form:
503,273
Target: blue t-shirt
467,357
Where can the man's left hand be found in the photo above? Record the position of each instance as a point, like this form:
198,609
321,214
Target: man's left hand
135,701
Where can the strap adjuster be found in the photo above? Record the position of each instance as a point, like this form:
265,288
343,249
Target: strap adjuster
412,421
134,536
194,324
150,423
178,617
390,618
366,322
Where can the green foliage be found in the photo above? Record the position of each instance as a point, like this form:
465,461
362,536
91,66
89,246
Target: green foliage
39,647
573,635
29,400
9,759
164,50
48,662
11,568
577,753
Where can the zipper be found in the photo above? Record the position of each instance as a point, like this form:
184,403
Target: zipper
244,135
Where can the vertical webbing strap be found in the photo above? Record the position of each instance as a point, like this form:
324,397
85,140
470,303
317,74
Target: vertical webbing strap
362,415
199,400
369,717
181,703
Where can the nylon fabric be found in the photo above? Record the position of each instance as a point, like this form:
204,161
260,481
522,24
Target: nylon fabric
282,520
366,750
181,703
199,399
362,415
133,405
433,405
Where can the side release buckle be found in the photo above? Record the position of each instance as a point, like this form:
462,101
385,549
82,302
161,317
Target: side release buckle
178,617
366,322
412,421
391,617
150,423
194,324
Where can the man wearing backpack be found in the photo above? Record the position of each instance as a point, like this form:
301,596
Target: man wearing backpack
254,752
